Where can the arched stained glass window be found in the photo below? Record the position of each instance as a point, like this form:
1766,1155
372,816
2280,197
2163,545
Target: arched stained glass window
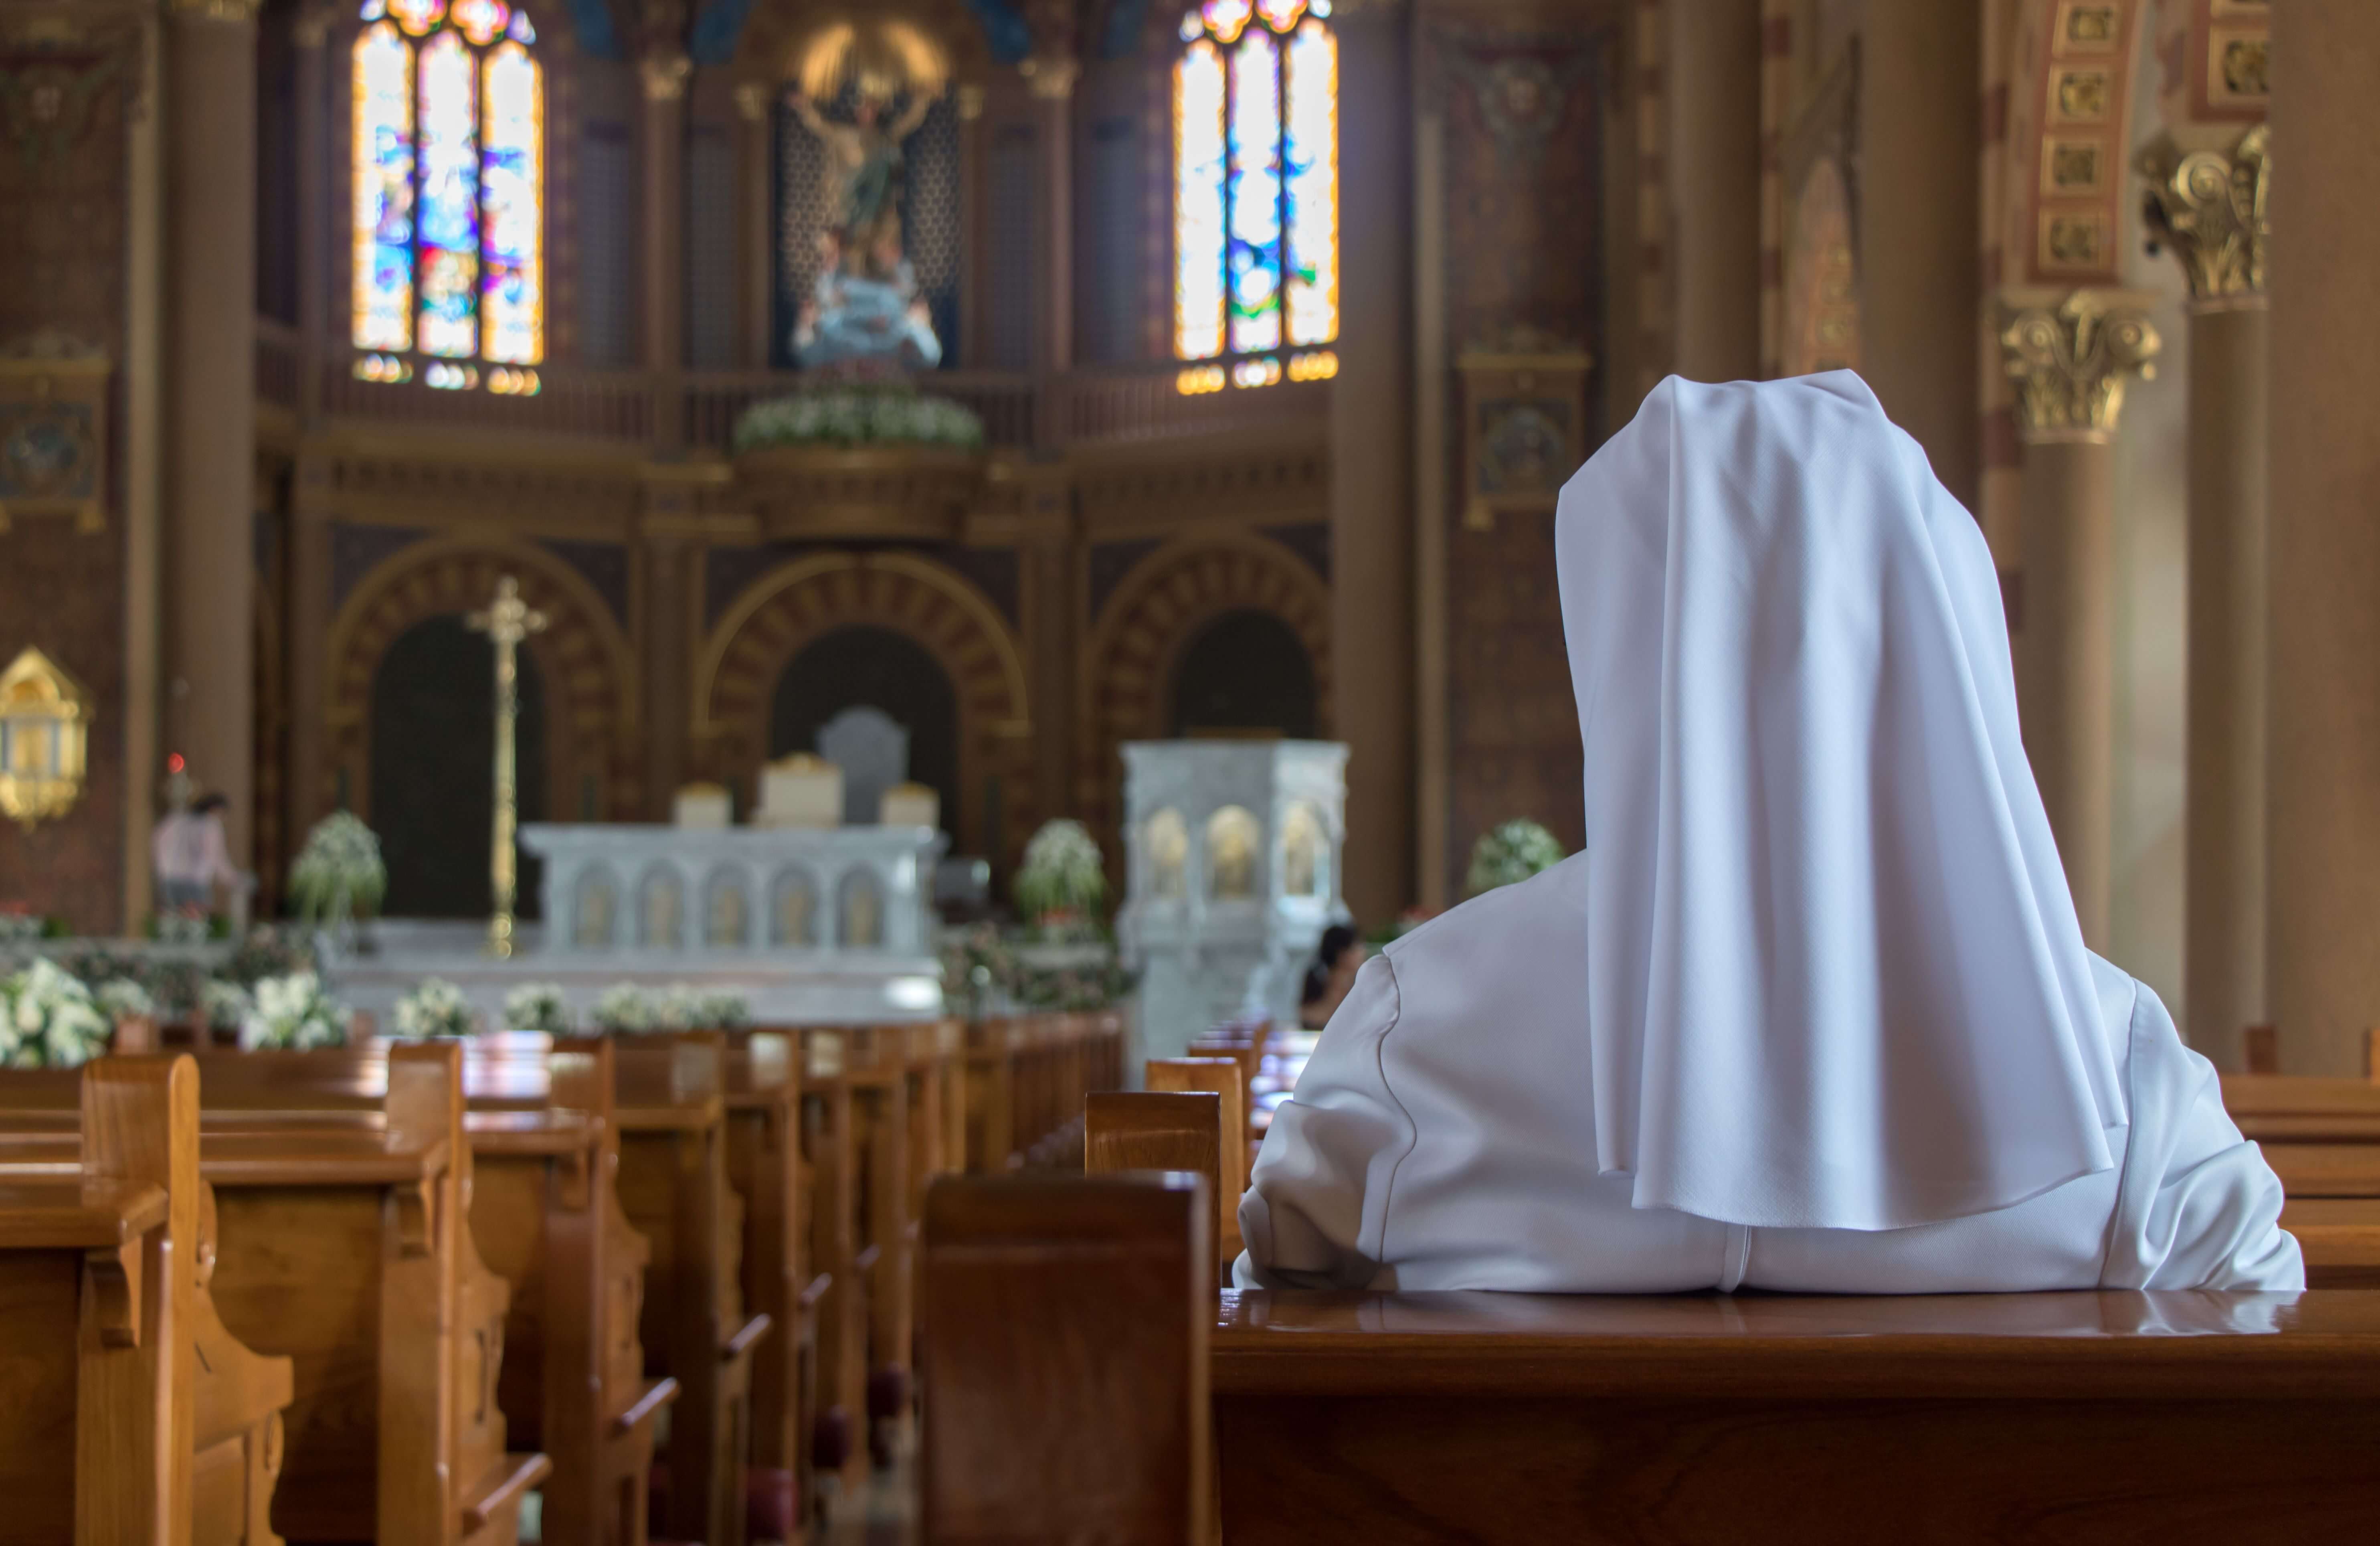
1256,193
449,165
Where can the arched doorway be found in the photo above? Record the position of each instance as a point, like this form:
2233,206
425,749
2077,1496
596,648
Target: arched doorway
433,761
1244,674
862,666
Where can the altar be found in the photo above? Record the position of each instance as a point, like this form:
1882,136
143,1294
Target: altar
809,925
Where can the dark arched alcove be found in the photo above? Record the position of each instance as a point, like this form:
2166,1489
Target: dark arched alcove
1246,673
867,667
434,751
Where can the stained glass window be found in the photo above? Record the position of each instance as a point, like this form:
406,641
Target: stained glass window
449,176
1256,193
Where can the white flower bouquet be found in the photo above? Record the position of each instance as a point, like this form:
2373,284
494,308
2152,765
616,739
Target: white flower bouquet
48,1019
625,1007
1514,851
435,1007
338,875
1063,878
120,998
537,1006
293,1014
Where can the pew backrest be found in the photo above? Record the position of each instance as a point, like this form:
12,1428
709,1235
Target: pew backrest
1063,1328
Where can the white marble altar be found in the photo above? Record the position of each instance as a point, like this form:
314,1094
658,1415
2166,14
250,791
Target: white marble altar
1231,863
809,925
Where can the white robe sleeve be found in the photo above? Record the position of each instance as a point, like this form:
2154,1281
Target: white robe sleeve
1317,1203
2198,1207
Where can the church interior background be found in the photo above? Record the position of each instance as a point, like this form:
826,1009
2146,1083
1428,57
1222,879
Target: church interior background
1055,375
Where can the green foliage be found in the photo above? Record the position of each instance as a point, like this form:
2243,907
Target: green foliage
338,875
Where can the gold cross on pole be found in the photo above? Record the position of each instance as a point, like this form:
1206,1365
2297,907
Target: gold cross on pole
507,622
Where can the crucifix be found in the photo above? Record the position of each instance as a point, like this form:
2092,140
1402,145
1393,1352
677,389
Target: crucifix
507,622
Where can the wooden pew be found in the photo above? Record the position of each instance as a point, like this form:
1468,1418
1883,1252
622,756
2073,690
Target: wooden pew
670,1104
992,1051
546,1217
1222,1076
876,1067
1085,1302
100,1374
2042,1418
2321,1138
830,1146
766,1167
342,1248
1140,1129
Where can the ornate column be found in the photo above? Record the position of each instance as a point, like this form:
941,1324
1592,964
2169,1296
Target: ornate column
1371,494
1054,605
1920,264
1713,84
2070,355
2324,769
144,436
1052,79
665,71
211,382
309,30
755,245
2209,205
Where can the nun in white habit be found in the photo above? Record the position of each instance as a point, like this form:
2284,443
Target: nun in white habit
1810,1011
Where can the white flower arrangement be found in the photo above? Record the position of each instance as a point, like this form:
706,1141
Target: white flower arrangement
120,998
537,1006
1514,851
435,1007
338,875
624,1006
895,414
48,1019
182,928
294,1014
18,928
224,1005
1062,874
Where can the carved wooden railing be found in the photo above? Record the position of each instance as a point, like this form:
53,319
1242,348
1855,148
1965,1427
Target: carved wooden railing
1108,405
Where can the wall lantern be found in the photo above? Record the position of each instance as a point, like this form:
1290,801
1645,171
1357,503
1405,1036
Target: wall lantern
44,739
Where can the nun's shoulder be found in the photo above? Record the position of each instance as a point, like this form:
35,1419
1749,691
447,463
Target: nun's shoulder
1516,935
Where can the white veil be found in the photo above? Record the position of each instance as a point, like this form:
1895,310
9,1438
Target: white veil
1835,976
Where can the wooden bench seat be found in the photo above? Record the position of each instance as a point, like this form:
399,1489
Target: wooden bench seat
768,1170
829,1148
2077,1417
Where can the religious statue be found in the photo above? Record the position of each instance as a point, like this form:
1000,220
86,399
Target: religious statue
864,304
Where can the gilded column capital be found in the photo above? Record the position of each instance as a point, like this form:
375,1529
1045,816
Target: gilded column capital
214,10
1051,77
970,98
752,102
665,74
2209,205
2071,355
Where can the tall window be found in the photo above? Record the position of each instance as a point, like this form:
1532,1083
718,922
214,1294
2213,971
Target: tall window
449,151
1256,194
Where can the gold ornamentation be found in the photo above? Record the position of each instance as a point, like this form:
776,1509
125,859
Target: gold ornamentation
44,739
2074,241
2081,96
507,622
2091,27
1050,77
2070,358
665,76
752,102
970,100
2209,206
54,431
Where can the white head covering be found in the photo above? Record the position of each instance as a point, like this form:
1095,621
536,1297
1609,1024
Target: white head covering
1835,975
